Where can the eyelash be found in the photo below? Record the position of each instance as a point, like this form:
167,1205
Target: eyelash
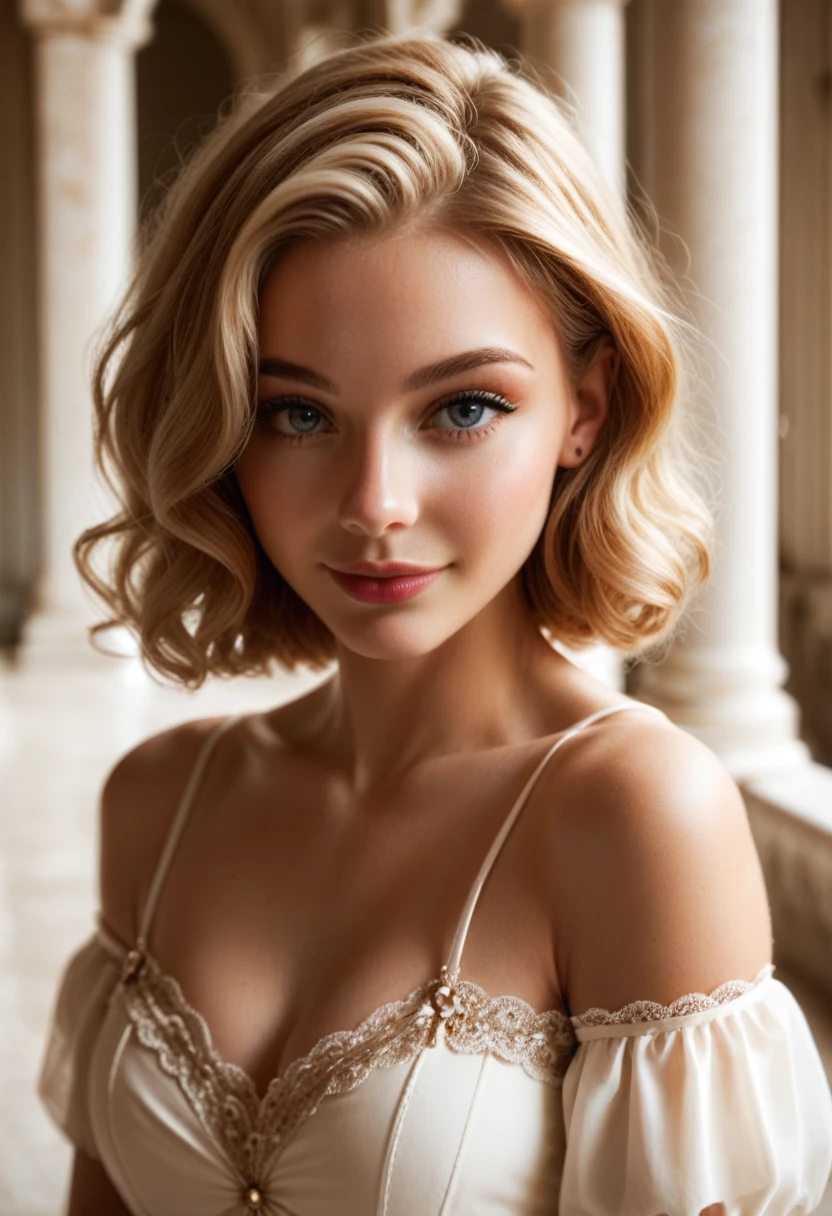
280,405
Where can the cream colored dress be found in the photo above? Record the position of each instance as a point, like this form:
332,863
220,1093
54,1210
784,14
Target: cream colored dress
450,1101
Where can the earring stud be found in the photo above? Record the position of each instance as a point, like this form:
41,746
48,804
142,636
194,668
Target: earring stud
579,451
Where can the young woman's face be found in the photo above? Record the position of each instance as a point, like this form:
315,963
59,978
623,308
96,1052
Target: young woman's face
413,406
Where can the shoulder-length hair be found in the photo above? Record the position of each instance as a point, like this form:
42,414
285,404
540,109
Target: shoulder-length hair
390,129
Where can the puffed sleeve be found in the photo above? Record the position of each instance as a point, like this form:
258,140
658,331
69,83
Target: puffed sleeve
714,1099
84,989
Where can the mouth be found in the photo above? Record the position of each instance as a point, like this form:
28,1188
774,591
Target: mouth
387,589
385,569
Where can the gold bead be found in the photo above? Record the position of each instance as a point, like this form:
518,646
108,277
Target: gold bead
446,1001
254,1199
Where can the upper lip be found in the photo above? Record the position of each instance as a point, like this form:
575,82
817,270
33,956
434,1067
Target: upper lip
384,569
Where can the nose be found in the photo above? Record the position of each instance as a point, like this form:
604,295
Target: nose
380,486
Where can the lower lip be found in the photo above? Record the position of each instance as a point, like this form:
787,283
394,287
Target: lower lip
383,590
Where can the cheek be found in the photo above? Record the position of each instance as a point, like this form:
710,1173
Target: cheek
276,502
505,496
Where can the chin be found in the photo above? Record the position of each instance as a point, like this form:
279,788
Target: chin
390,640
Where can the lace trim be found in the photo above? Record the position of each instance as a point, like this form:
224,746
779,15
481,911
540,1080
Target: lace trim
250,1131
692,1002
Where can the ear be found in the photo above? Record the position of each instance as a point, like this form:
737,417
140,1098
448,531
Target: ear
589,406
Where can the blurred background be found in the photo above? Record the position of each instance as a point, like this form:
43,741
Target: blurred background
718,114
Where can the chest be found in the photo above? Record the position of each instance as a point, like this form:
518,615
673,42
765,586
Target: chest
290,912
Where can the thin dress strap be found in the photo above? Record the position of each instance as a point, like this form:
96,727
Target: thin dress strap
461,934
180,818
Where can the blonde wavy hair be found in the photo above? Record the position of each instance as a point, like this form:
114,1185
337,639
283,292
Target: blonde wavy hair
387,130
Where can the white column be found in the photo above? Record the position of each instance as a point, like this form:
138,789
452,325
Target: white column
400,16
317,29
579,46
712,174
86,178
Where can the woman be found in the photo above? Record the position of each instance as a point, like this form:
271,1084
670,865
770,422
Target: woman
396,386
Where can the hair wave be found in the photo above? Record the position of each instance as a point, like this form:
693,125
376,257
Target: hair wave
390,130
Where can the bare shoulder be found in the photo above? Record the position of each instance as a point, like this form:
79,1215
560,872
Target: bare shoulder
138,800
144,789
662,891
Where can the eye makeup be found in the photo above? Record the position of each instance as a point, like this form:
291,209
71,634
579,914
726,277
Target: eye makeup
271,409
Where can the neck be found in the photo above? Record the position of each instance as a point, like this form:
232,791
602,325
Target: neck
489,685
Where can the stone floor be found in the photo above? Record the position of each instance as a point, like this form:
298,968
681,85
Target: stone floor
60,731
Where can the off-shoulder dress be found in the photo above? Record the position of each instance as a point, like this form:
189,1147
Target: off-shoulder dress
447,1102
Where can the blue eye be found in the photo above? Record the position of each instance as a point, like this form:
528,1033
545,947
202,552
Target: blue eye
300,417
303,417
296,411
469,412
470,407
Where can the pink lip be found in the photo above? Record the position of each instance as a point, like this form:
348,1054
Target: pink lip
384,569
391,590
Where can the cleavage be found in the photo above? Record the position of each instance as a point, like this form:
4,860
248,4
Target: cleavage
308,970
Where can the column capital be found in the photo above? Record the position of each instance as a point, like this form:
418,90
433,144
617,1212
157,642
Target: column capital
126,22
399,16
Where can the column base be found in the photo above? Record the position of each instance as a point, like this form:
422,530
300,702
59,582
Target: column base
791,820
732,700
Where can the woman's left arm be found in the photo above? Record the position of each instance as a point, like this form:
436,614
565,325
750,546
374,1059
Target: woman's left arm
696,1088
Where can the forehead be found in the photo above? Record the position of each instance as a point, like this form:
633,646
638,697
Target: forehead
422,287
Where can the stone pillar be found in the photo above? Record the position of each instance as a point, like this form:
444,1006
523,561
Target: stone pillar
401,16
86,181
711,168
319,26
578,46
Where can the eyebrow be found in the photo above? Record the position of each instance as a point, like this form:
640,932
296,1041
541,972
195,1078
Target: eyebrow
442,370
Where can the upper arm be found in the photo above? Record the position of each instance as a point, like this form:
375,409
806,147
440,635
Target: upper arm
138,802
668,895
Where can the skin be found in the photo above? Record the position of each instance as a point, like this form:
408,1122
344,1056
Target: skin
388,474
342,831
